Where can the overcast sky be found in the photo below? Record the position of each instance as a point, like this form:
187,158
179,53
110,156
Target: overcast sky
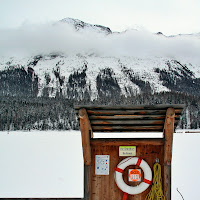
168,16
27,28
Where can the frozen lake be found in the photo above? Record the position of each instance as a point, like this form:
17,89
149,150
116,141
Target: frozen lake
41,164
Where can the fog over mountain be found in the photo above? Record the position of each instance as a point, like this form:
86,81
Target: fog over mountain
68,37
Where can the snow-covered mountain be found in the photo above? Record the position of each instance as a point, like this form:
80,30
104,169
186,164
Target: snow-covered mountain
90,75
80,25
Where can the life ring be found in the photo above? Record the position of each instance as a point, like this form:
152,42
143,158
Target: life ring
133,190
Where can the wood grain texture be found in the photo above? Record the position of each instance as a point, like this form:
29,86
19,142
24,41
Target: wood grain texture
86,133
104,187
129,112
168,135
130,122
87,182
124,117
125,112
167,182
126,142
122,128
117,116
127,107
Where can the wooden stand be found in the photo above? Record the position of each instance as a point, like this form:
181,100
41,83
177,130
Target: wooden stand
126,119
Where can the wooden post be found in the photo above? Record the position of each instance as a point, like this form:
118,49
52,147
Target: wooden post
168,134
87,185
86,133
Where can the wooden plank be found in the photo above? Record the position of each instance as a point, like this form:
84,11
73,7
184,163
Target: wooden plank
128,112
127,107
129,131
131,122
168,135
135,117
126,142
124,128
86,132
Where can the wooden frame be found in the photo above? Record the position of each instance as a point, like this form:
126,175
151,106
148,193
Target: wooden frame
107,119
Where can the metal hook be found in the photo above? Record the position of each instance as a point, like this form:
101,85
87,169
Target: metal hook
80,117
157,160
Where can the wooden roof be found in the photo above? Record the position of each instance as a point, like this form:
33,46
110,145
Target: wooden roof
142,118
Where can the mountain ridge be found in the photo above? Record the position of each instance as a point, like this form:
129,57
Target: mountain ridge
59,74
74,75
39,91
78,25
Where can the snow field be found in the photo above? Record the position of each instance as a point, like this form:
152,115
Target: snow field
41,164
49,164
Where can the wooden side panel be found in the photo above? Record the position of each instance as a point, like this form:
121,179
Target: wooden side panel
168,135
104,187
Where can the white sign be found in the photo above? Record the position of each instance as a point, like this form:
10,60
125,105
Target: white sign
127,151
102,164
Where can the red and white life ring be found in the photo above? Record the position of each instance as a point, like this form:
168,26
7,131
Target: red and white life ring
132,190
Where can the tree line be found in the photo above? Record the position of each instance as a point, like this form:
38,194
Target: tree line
44,113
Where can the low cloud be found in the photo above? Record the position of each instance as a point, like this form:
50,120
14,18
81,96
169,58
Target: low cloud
61,37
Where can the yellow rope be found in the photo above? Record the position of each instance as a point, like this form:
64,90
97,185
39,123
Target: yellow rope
156,192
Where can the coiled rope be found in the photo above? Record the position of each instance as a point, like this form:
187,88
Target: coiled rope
156,192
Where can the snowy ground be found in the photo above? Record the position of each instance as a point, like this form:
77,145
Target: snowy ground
185,166
41,164
50,164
